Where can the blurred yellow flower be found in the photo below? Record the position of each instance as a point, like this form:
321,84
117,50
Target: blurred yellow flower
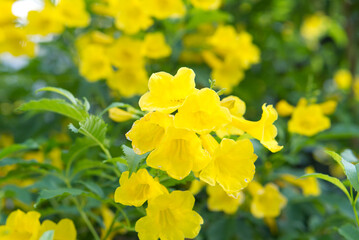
356,88
284,109
147,133
63,230
179,153
35,155
170,216
263,130
196,186
129,81
15,41
328,107
138,188
231,166
168,93
343,79
21,226
94,63
309,185
218,200
93,38
107,216
155,46
124,16
267,201
72,13
164,9
207,4
201,112
120,115
6,16
308,120
314,27
55,157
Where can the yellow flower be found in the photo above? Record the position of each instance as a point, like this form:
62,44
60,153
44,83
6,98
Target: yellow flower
170,216
179,153
63,230
231,166
224,40
202,112
94,63
35,155
163,9
314,27
147,133
206,4
73,13
155,46
131,16
167,93
267,201
129,81
93,38
126,52
21,226
308,120
343,79
15,41
246,53
263,130
196,186
138,188
218,200
328,107
6,16
284,109
119,115
55,156
44,22
309,185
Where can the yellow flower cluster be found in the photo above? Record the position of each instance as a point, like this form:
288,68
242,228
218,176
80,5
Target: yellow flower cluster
27,226
309,185
307,119
101,54
314,27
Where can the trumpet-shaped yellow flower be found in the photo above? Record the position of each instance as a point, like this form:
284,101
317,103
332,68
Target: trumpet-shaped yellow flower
94,63
170,216
147,133
218,200
155,46
73,13
129,81
179,153
163,9
267,201
21,226
207,4
224,40
284,109
44,22
328,107
263,130
138,188
126,52
231,166
119,115
63,230
202,112
15,41
309,185
125,20
167,93
343,79
308,120
6,16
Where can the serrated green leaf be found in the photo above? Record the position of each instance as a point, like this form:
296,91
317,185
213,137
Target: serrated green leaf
133,160
330,179
349,156
18,147
94,127
60,91
59,106
349,232
48,235
52,193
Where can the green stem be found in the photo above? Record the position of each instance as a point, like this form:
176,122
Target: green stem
109,230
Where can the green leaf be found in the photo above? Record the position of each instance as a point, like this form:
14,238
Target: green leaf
199,17
59,106
352,173
349,232
60,91
52,193
349,156
330,179
337,33
94,128
336,157
339,131
80,145
22,162
48,235
93,187
29,144
133,160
